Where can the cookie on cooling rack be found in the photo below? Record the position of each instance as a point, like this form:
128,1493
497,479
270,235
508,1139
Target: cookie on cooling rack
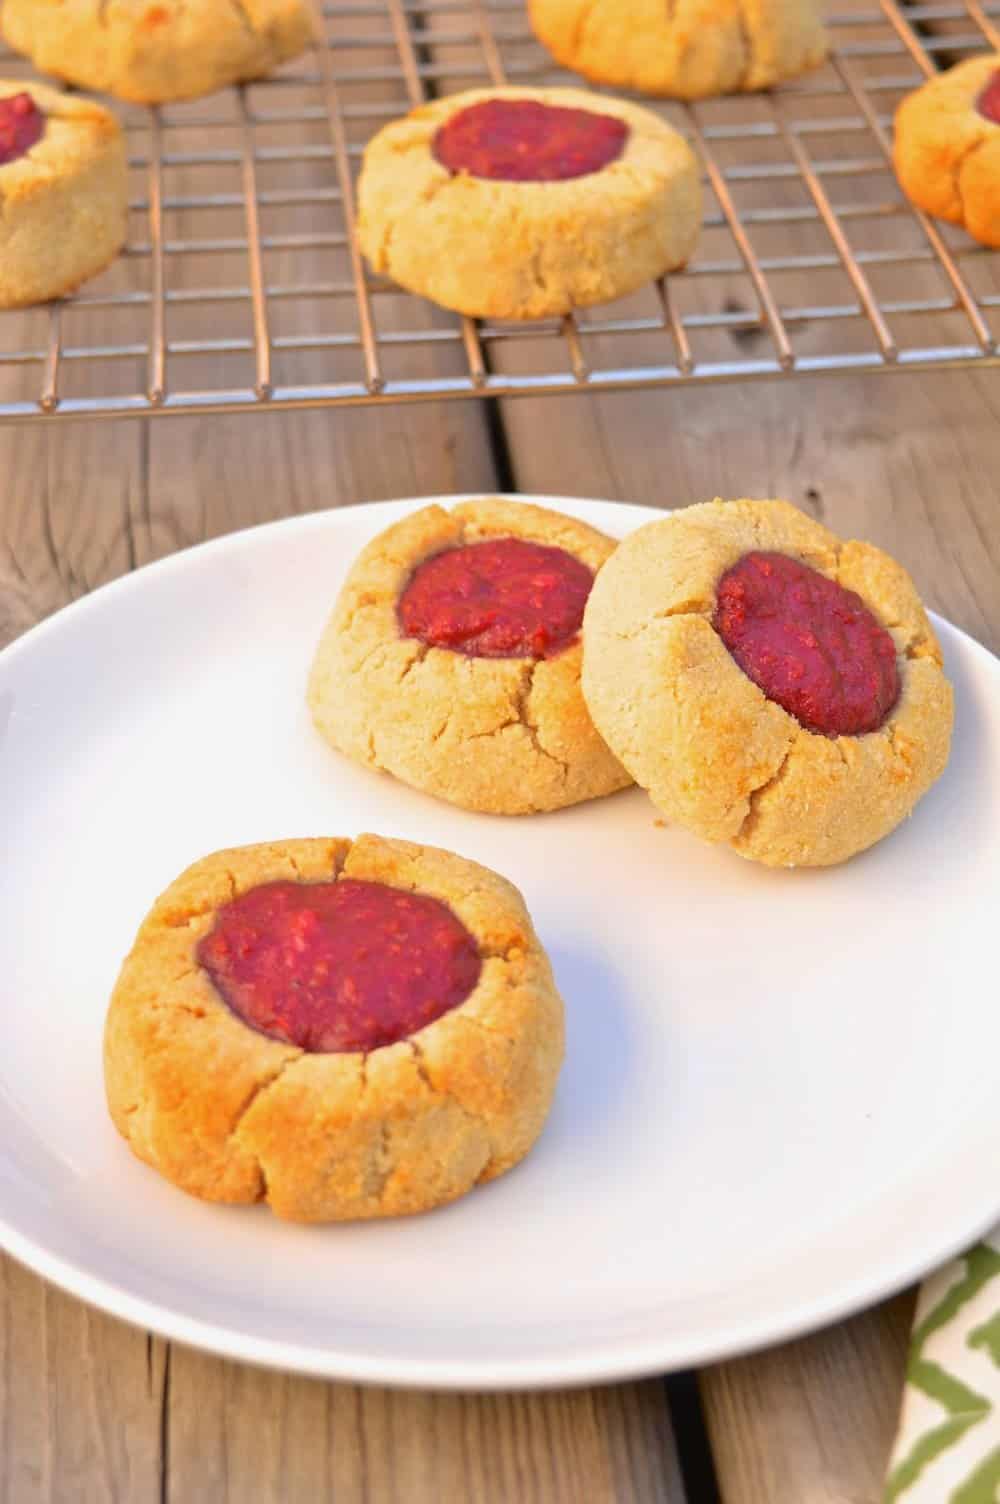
151,51
771,686
527,203
452,659
64,191
341,1029
947,147
692,49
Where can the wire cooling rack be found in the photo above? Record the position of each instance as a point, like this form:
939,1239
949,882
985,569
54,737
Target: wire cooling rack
242,286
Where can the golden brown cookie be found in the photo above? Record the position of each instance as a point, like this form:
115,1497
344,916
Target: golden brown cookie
947,147
691,49
151,51
526,203
342,1029
64,192
855,723
498,726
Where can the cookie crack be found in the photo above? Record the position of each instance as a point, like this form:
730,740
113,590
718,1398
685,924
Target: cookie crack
191,916
752,815
244,17
477,1118
421,1065
747,39
385,247
582,21
421,653
956,171
430,192
380,1167
692,607
472,1022
521,702
258,1090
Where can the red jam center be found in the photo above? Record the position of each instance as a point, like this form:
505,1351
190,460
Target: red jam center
341,966
522,141
988,103
22,124
810,645
501,599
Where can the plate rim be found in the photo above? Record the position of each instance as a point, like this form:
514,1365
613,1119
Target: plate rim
604,1360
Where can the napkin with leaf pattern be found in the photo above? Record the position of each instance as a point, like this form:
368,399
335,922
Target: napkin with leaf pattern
948,1447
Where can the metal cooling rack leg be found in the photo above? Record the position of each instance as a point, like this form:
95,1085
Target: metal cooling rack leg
156,374
418,95
834,229
768,305
498,77
261,328
374,379
962,290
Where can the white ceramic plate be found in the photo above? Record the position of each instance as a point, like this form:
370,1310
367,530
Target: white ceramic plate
780,1095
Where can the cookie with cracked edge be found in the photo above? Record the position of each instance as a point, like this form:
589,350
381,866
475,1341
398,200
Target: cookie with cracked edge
691,49
63,191
231,1113
436,218
718,753
946,147
153,51
506,735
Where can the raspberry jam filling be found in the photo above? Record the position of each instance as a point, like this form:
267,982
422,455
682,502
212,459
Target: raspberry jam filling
523,141
340,966
500,599
988,103
22,124
810,645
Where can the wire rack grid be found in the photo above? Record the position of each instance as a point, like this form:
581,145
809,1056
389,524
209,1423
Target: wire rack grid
242,286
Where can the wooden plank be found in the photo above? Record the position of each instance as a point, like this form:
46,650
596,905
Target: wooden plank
813,1420
80,1399
901,460
236,1433
906,461
84,504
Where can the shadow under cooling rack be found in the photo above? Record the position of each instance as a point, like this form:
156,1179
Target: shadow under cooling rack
242,286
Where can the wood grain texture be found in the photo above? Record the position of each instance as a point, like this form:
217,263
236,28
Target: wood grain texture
909,462
93,1410
813,1420
237,1434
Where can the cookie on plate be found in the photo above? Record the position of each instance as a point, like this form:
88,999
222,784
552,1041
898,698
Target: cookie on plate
772,687
527,203
947,147
452,658
64,190
341,1029
151,51
692,49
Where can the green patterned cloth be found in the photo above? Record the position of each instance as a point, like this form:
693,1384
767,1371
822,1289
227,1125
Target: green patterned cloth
948,1447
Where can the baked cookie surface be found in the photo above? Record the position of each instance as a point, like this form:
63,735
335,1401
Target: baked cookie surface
232,1113
692,49
946,147
151,51
526,203
853,724
64,190
492,722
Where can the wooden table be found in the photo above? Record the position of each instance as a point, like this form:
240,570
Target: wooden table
93,1410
